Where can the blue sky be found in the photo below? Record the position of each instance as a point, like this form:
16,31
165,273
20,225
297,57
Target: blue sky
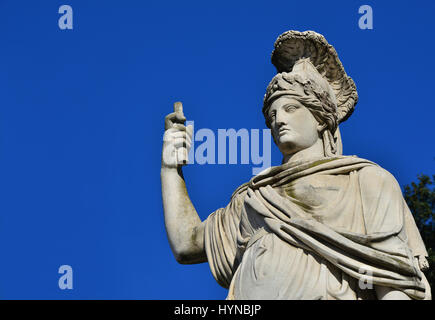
81,125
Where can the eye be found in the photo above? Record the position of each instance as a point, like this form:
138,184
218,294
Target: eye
272,115
290,108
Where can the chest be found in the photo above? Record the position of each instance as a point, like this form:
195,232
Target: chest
316,190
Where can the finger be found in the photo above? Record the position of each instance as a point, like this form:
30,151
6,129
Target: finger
172,135
173,118
169,120
182,143
175,129
182,156
179,126
180,118
169,134
171,131
181,139
182,134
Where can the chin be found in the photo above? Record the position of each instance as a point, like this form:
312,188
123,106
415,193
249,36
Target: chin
290,147
286,142
287,148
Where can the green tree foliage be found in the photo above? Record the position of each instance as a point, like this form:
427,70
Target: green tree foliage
420,197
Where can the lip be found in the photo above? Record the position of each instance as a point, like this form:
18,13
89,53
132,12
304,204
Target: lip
283,131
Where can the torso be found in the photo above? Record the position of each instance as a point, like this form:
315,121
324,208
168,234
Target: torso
316,190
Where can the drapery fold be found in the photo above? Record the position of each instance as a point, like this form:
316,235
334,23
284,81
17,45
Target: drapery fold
366,233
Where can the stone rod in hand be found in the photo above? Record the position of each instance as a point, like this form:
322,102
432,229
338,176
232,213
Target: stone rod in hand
178,118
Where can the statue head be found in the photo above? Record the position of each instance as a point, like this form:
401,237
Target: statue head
300,108
310,95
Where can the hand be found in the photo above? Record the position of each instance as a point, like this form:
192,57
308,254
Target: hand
177,139
423,263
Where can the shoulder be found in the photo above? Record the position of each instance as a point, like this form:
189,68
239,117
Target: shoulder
374,175
240,192
376,172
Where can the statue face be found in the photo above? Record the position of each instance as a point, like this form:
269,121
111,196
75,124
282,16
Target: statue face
293,126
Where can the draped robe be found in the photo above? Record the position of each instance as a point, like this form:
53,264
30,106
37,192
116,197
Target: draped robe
330,228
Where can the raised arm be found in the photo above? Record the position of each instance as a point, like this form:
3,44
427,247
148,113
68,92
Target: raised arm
183,226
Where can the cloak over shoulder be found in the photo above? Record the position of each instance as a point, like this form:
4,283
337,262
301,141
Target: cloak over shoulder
268,243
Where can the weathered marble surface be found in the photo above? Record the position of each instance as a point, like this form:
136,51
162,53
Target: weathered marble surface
321,225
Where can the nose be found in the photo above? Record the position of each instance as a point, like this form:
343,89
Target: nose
279,118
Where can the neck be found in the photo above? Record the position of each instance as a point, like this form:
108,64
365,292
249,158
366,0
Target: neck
313,152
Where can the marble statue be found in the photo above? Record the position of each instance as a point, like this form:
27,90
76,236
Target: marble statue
321,225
